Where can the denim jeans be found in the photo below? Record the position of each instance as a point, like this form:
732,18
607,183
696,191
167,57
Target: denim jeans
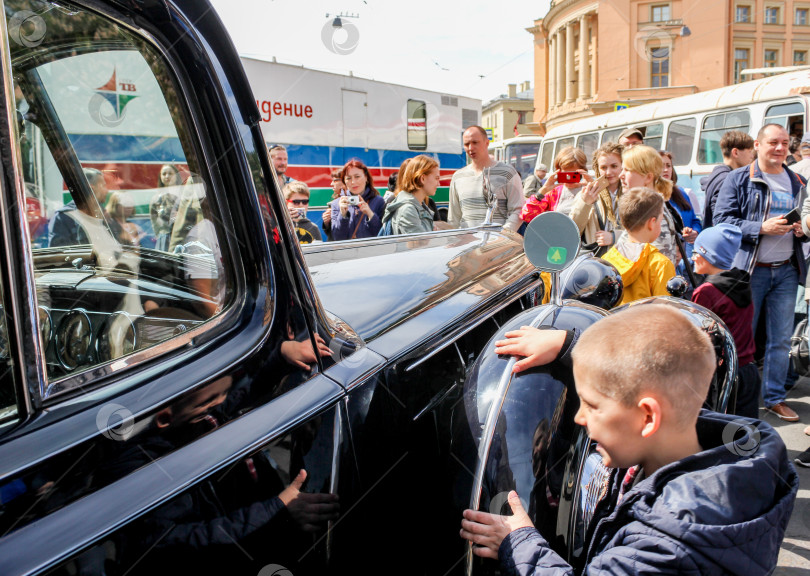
775,289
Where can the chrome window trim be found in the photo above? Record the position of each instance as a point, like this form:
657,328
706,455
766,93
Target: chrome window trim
489,430
24,309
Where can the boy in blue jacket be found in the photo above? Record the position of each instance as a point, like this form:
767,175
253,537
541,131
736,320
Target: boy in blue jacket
691,492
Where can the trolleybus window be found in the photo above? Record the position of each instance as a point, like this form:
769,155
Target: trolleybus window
790,115
588,143
653,135
681,140
611,135
714,127
522,157
547,157
563,142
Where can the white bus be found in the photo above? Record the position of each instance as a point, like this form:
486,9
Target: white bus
520,152
690,127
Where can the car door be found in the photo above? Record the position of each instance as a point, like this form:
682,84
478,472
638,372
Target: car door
162,384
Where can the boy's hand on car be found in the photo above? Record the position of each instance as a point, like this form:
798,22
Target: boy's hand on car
310,511
488,530
537,347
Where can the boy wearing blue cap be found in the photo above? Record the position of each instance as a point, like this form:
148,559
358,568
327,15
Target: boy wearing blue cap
727,293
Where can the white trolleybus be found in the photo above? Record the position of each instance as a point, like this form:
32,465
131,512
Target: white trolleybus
690,127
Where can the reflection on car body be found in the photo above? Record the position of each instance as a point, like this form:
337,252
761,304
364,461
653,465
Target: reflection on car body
159,402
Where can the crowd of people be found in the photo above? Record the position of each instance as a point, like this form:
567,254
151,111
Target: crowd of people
641,394
740,254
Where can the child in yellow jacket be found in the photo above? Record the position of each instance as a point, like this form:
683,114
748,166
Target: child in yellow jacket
645,271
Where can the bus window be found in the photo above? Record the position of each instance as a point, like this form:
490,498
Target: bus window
522,157
588,143
564,142
547,157
417,125
611,135
790,115
681,139
714,127
653,135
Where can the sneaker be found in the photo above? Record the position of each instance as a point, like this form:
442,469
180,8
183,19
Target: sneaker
807,430
803,459
783,411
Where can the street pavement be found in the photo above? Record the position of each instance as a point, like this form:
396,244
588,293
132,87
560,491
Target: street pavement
794,557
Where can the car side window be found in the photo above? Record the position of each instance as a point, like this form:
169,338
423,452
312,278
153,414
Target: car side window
127,244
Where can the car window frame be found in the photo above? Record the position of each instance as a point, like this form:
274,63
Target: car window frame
27,347
44,391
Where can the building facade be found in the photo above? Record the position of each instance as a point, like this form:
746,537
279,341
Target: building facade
510,114
594,57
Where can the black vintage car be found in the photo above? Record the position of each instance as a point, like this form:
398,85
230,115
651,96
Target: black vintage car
221,402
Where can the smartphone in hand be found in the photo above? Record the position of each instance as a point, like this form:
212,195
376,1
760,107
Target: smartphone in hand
600,184
793,216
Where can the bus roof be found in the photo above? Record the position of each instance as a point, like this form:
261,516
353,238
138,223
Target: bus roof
764,89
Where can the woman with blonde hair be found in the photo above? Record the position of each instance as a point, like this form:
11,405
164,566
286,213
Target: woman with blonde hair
409,212
642,166
595,209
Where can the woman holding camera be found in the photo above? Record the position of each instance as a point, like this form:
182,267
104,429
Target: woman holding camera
357,212
561,186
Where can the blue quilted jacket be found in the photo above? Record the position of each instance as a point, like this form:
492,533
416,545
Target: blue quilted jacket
721,511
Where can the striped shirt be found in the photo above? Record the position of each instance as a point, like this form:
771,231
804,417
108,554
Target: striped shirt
468,207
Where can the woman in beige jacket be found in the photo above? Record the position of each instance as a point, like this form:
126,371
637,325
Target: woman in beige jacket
594,210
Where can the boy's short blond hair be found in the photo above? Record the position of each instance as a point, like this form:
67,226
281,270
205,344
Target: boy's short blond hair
649,350
295,187
637,206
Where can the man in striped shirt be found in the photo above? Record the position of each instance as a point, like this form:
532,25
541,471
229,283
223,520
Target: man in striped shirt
469,200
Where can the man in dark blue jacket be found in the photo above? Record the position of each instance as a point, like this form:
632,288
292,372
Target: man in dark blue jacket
756,199
692,492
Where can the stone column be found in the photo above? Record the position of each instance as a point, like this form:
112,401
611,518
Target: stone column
584,58
561,78
569,62
552,65
594,50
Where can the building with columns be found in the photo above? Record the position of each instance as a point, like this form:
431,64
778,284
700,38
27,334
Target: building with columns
509,113
594,57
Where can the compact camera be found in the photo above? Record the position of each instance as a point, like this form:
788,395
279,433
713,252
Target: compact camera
353,200
569,177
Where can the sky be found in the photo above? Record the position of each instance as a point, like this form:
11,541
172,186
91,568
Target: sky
473,48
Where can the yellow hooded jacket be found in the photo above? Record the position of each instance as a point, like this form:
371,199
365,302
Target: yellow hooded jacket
647,276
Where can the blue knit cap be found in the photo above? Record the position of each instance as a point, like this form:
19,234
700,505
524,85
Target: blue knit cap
719,244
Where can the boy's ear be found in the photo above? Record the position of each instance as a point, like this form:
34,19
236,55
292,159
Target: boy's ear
651,414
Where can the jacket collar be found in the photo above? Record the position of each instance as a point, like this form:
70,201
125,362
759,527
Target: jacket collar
755,172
